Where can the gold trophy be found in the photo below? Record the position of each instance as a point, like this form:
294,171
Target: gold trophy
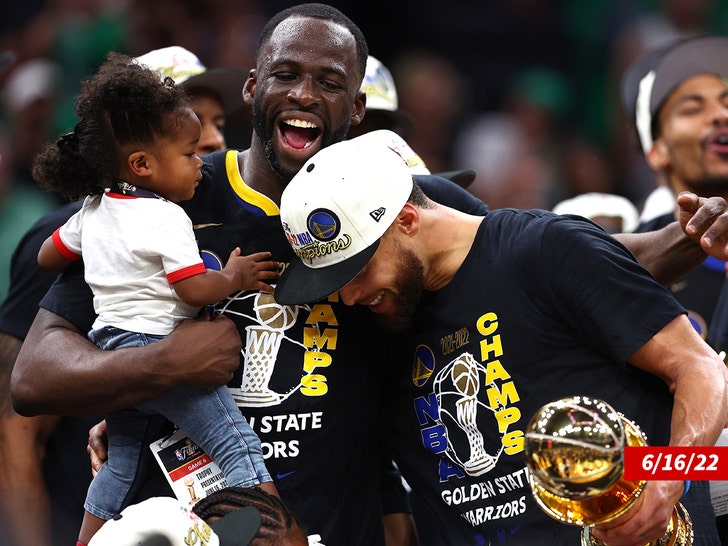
189,482
575,453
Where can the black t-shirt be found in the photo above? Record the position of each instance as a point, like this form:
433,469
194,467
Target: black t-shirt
310,379
28,282
543,307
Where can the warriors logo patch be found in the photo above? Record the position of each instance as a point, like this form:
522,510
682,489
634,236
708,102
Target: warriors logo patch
323,224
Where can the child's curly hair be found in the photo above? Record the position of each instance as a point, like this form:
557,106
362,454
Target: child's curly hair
123,104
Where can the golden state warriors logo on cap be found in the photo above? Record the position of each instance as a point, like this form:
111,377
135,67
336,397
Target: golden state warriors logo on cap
323,225
322,240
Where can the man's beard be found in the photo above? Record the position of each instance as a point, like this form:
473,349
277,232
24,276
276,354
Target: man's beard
409,285
264,130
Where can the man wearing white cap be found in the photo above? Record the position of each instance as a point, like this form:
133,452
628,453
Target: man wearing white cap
508,311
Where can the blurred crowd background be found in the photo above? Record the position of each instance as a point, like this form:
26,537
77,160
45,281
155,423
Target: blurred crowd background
523,91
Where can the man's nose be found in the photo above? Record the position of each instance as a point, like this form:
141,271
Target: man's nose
303,92
349,294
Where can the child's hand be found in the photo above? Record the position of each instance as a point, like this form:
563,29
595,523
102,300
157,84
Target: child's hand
255,271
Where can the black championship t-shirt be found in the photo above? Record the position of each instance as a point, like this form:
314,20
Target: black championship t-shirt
544,307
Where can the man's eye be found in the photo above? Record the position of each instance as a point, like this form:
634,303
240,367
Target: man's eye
331,86
284,76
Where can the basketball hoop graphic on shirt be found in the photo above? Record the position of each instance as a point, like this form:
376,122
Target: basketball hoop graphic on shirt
456,387
262,343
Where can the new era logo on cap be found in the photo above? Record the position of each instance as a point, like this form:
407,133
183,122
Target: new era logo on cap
378,214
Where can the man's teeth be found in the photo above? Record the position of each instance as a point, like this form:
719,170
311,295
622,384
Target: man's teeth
300,123
377,300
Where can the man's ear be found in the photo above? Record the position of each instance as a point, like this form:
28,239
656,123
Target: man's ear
658,157
249,87
140,163
357,112
408,219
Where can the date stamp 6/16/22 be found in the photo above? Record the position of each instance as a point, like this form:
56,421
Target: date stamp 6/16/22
676,463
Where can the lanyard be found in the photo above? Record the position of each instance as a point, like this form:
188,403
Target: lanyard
120,187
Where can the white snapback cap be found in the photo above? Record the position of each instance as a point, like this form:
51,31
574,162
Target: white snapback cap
186,69
379,87
334,211
164,520
594,204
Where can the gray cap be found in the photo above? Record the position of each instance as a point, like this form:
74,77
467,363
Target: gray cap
663,71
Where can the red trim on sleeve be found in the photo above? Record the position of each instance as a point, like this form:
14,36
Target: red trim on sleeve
186,273
62,248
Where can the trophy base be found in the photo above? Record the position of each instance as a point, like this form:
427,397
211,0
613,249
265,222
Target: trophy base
679,531
265,397
608,506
